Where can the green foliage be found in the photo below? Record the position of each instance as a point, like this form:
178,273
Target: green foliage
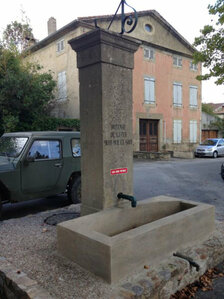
211,42
52,124
207,109
25,93
18,35
219,124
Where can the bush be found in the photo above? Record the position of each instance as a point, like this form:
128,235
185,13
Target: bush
52,124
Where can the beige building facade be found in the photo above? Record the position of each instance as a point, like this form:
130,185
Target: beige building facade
166,94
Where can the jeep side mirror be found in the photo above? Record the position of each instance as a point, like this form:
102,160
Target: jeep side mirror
28,160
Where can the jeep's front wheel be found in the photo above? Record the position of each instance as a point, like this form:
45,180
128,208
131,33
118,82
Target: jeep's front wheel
74,190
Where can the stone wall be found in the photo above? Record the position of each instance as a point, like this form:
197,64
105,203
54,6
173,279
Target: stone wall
152,156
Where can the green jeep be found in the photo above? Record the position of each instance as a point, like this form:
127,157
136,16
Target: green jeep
39,164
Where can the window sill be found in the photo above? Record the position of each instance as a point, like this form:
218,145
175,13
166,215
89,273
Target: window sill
177,106
177,67
149,103
60,53
149,59
193,107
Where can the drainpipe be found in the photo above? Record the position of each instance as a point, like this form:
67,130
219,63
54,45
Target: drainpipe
164,132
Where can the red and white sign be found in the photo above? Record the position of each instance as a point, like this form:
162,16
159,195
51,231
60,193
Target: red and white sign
118,171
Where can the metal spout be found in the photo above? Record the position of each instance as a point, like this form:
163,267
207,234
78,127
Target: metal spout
128,197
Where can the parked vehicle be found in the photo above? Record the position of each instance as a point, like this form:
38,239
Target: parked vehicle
222,171
39,164
212,147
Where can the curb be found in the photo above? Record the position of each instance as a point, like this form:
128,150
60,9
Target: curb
15,284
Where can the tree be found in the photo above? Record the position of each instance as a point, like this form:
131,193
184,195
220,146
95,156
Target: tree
211,42
18,35
25,93
218,124
207,109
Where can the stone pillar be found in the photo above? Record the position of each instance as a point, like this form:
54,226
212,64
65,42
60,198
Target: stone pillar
105,61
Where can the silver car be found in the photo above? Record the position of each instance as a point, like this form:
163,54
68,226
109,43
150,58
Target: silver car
212,147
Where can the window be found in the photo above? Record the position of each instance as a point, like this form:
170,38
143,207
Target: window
149,87
76,149
193,131
177,61
60,46
62,90
148,27
193,96
177,129
45,149
149,53
221,142
193,67
177,94
12,146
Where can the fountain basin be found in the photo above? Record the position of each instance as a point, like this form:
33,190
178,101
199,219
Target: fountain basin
114,243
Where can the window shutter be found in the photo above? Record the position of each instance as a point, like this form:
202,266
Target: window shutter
149,87
177,94
151,54
146,53
193,96
62,45
193,131
152,90
175,60
62,89
179,61
177,131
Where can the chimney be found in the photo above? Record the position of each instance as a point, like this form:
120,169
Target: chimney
51,25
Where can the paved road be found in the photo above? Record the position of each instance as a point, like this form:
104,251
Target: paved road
195,179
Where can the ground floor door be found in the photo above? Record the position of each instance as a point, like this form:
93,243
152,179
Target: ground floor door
148,135
209,134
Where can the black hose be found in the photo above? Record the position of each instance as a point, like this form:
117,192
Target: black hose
76,215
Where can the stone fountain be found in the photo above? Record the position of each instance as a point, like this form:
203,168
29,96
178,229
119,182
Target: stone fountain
113,239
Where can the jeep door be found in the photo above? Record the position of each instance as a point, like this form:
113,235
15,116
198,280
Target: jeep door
42,167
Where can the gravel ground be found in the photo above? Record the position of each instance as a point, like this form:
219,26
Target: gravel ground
30,245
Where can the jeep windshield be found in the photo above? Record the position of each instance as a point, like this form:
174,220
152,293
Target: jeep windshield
12,146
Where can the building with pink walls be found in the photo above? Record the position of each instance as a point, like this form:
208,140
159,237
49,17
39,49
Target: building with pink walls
166,93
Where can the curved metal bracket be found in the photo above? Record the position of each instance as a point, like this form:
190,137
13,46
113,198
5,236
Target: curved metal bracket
126,19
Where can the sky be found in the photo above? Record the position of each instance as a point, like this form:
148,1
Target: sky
186,16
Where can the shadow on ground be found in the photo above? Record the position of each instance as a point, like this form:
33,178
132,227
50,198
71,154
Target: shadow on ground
22,209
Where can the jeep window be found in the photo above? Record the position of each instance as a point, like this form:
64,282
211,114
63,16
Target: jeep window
12,146
45,149
76,149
